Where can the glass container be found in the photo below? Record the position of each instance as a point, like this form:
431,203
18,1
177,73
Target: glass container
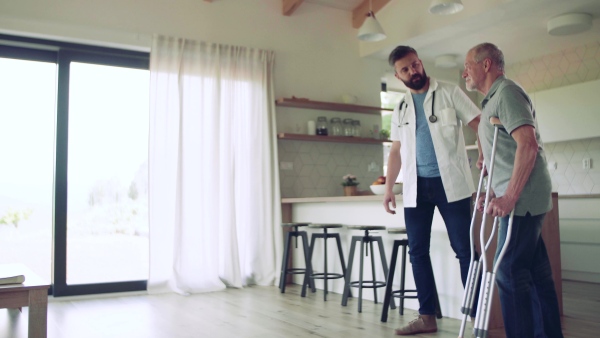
322,126
336,127
357,130
348,127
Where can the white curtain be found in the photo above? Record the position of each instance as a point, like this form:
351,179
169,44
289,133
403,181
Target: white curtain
213,182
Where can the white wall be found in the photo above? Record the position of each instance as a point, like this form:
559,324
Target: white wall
579,239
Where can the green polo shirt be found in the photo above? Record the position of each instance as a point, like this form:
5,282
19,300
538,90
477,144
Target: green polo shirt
508,101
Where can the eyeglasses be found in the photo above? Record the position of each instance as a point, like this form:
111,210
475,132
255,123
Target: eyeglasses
415,65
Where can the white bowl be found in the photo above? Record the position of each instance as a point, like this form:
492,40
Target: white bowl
380,189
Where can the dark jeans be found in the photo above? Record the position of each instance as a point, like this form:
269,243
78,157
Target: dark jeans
524,279
457,217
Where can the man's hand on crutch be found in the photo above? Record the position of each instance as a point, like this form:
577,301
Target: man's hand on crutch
498,207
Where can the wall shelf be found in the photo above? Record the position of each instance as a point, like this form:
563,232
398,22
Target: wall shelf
471,147
319,105
338,139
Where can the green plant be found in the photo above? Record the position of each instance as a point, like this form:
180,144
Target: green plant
14,217
385,134
349,181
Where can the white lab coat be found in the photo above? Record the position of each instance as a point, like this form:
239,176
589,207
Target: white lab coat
453,109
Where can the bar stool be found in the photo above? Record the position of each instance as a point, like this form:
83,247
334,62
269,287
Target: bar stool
325,275
285,270
401,293
366,241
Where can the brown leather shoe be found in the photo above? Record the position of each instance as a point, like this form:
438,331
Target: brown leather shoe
421,324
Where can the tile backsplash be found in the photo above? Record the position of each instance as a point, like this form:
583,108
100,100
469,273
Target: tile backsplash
565,163
567,67
315,169
565,159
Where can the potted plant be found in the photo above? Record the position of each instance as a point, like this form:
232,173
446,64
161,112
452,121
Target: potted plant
349,183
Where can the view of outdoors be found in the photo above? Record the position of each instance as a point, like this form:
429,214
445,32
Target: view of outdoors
27,128
107,217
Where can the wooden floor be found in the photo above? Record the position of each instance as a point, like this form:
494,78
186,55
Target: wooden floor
257,312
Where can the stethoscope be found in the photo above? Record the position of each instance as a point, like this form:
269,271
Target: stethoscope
432,117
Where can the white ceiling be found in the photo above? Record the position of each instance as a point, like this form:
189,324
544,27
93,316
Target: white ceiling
518,27
347,5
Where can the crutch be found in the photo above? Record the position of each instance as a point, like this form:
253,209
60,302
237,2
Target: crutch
474,267
482,319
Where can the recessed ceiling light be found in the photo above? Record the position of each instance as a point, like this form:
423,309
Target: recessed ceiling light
445,6
446,61
571,23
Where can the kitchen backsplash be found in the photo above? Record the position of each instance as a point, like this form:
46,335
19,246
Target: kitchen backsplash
567,67
569,176
317,168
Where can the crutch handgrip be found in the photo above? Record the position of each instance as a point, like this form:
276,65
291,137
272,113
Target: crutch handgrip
496,121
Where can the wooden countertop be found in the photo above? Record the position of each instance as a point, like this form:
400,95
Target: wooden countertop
375,198
361,198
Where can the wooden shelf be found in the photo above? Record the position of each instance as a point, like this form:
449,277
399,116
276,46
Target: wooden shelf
338,139
308,104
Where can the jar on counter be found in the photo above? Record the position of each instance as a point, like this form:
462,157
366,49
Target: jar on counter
322,126
336,127
348,127
356,128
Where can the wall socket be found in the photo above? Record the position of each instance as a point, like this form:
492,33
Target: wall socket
587,163
286,165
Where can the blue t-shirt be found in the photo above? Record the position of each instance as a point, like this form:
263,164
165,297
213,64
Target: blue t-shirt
427,165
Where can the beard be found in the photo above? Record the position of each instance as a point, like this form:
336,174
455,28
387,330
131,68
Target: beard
470,86
417,81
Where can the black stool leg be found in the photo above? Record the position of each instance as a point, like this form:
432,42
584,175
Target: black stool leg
325,237
284,264
390,280
373,269
438,310
383,263
402,279
307,261
342,260
360,274
307,273
348,273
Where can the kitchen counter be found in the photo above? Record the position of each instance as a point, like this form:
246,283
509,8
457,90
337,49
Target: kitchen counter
377,198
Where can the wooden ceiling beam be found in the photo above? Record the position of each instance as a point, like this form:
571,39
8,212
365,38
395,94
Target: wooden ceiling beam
289,6
359,14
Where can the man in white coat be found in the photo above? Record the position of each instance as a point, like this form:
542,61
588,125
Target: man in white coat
428,144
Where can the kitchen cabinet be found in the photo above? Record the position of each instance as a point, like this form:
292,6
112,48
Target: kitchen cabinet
569,112
329,106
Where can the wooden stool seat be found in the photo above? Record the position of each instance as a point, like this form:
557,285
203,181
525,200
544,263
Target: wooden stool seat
289,225
366,227
325,226
396,231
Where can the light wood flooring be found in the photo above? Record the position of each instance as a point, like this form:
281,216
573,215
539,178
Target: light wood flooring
257,312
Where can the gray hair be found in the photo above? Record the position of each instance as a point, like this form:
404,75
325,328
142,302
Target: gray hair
489,50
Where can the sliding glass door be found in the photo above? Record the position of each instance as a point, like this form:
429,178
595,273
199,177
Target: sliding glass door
27,133
107,203
74,142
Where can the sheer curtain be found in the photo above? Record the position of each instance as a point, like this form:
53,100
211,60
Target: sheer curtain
213,181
